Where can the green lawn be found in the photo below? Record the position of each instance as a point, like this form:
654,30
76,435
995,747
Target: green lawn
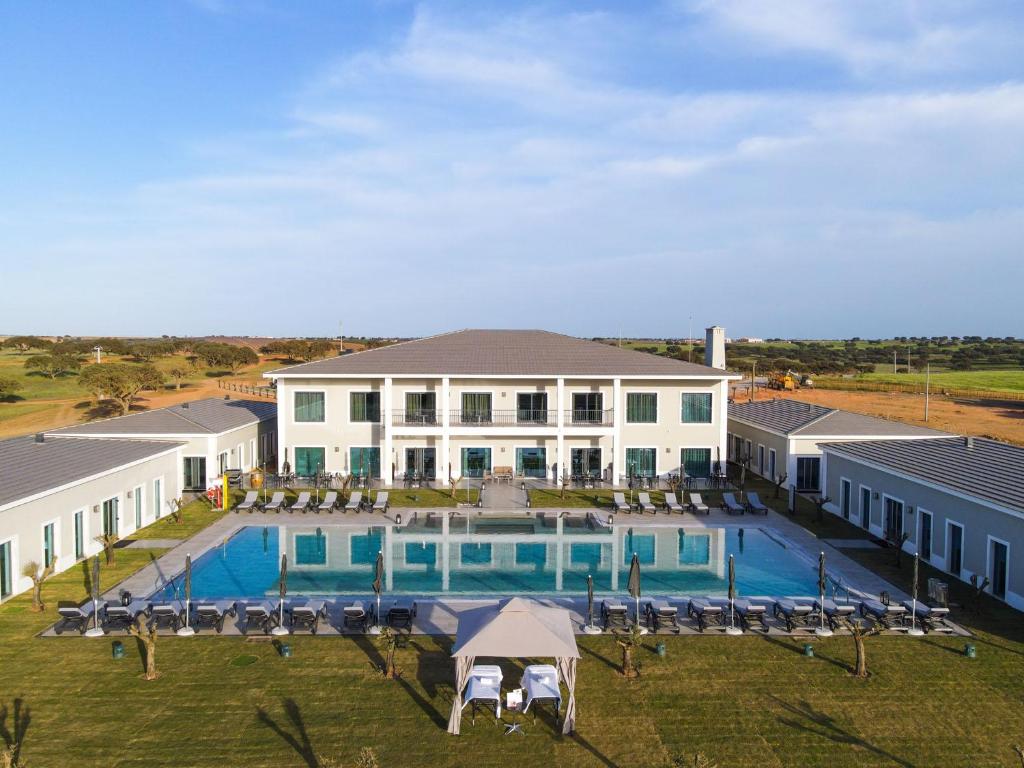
195,516
1000,381
746,701
14,410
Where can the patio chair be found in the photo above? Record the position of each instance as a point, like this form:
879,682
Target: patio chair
730,505
750,612
307,616
661,615
276,503
73,617
381,504
754,504
795,614
645,504
705,613
615,614
931,618
619,500
164,615
355,501
330,502
400,615
117,616
257,615
356,616
484,684
835,613
888,616
302,503
671,504
250,502
540,682
210,615
697,504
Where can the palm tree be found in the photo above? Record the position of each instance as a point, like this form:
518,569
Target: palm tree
31,571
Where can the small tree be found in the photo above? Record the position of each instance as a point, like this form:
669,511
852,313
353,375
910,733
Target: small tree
178,374
779,481
859,629
629,641
1020,753
25,343
120,382
819,507
53,366
388,640
8,387
38,576
147,637
974,602
898,543
108,540
178,510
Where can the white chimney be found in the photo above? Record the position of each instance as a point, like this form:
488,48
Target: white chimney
714,347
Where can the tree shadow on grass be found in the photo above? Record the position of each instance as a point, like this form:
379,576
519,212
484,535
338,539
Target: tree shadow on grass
373,655
592,750
800,652
14,736
300,741
806,718
603,659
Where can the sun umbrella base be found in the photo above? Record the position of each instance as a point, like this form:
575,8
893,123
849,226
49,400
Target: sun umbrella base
185,632
279,631
644,631
733,631
590,629
915,632
823,632
374,630
95,632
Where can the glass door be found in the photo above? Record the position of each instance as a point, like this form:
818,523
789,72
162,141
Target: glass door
6,570
955,560
158,497
586,462
696,462
532,407
845,492
195,473
476,462
924,546
79,535
110,517
530,462
893,520
420,463
420,408
137,494
807,469
476,407
587,407
865,508
641,462
1000,558
48,551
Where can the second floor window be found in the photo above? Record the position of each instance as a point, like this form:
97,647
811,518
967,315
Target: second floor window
641,407
309,406
476,406
365,406
696,408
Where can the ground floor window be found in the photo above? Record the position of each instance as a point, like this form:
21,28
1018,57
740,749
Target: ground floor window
364,462
760,460
1000,559
771,465
865,507
955,555
531,462
586,461
79,535
696,462
222,462
110,517
807,473
421,463
309,461
845,489
158,497
893,523
641,462
6,570
137,498
476,462
737,448
48,545
924,546
195,473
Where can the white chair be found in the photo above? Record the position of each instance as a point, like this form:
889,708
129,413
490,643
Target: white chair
354,501
276,502
540,681
671,504
381,503
620,502
484,684
329,503
302,503
251,502
645,502
697,504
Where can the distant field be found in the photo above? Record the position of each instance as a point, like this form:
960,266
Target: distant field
1000,381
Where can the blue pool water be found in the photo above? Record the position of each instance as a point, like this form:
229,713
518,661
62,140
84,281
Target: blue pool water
332,561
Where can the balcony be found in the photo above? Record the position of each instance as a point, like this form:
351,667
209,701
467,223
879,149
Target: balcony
418,418
502,418
578,417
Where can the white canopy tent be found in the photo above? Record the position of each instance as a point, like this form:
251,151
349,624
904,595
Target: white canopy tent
515,628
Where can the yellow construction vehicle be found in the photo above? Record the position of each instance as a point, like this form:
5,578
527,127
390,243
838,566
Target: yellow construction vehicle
787,381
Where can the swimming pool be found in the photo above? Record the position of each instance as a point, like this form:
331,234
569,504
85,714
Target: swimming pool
498,558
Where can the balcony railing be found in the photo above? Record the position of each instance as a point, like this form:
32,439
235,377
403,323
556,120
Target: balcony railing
502,418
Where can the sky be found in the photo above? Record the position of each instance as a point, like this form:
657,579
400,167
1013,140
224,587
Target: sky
812,168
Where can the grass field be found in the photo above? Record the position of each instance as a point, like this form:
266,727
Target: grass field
748,701
999,381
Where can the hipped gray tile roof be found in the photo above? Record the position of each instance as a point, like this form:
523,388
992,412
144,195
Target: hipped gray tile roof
796,418
28,467
501,353
988,469
211,416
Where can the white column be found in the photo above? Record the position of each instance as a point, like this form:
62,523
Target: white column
212,470
562,464
282,420
385,457
723,426
617,452
445,460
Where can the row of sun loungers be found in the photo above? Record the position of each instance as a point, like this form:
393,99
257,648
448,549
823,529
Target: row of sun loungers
263,616
539,683
304,503
672,504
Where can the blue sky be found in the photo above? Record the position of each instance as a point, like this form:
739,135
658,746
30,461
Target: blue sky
809,168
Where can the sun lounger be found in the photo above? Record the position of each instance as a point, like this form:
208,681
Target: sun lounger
661,615
484,684
671,504
615,614
355,501
835,613
400,615
307,616
257,615
276,503
750,612
164,615
302,503
209,615
540,682
72,617
705,613
381,504
117,616
250,502
330,502
754,503
619,500
356,616
795,614
888,616
730,505
697,504
931,618
645,503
